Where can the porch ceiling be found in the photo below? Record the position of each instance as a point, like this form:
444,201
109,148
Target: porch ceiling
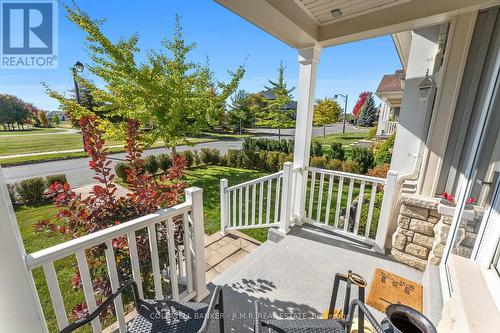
302,23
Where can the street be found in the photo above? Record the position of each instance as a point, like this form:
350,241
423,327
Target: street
78,173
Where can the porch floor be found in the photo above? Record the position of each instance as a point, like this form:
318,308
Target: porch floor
295,276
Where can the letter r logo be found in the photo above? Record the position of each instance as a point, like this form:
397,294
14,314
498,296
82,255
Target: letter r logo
27,28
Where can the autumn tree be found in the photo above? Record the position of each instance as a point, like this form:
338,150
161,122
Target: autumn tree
173,96
42,119
326,111
368,113
356,111
13,111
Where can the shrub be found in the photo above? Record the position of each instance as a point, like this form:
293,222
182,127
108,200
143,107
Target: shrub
334,165
12,189
350,166
196,158
316,149
383,153
272,161
248,159
189,156
255,145
364,158
375,214
164,161
284,158
151,164
210,156
59,178
372,133
262,161
31,190
379,171
232,158
318,162
121,170
336,152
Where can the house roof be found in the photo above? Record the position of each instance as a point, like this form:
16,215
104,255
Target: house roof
269,95
391,82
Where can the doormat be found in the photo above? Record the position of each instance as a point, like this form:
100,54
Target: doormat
388,288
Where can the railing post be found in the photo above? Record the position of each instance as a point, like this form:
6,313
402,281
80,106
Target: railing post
194,196
223,206
386,211
286,197
20,309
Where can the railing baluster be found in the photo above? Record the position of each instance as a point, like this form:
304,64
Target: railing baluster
268,201
277,200
240,207
235,221
246,204
339,201
370,210
329,199
254,196
155,262
261,201
311,195
359,207
348,207
320,197
187,252
115,284
172,259
134,260
229,219
88,290
55,295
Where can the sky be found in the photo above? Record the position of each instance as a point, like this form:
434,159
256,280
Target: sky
225,38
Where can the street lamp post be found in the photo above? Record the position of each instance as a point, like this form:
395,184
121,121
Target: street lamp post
345,97
77,68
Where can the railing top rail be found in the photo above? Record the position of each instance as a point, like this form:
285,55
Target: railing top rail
255,181
348,175
70,247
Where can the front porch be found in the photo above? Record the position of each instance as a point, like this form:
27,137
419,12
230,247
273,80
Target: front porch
294,277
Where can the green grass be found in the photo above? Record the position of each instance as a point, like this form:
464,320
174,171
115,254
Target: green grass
208,178
33,130
344,138
35,241
20,160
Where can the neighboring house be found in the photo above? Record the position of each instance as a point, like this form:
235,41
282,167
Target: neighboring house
390,91
60,114
447,140
290,106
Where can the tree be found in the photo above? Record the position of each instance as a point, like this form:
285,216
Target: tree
240,113
326,111
56,120
279,86
13,111
257,105
277,116
174,97
359,104
42,118
369,112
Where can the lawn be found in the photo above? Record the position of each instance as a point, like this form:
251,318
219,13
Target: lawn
207,178
33,130
25,144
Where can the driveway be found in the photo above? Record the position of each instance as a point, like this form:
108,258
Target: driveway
78,173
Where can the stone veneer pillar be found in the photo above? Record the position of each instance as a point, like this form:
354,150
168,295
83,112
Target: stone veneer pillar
414,237
423,227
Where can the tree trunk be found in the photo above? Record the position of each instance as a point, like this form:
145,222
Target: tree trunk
324,131
279,133
173,152
4,128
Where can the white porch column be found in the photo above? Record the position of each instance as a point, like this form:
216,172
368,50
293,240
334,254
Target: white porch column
20,310
308,60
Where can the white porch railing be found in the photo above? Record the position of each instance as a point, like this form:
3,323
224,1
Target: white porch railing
185,262
355,205
390,127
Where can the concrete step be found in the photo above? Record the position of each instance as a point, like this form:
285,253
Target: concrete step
432,294
245,263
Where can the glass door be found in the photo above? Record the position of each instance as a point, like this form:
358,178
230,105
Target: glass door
478,198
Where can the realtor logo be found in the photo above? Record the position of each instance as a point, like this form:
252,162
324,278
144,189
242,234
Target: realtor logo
29,34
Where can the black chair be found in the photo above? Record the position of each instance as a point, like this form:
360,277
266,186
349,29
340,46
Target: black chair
332,325
155,316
